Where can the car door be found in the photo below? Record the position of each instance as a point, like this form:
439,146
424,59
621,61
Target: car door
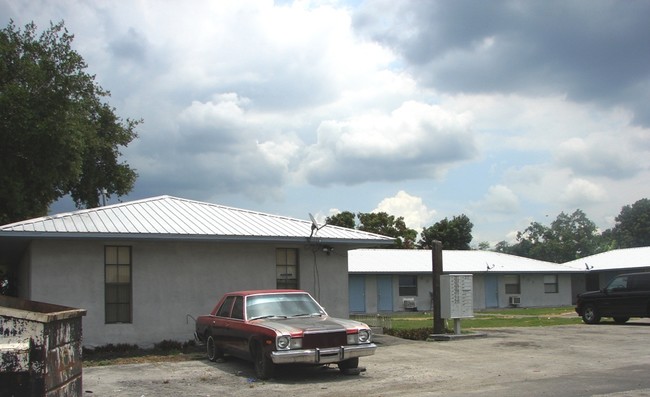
616,302
637,301
221,325
238,334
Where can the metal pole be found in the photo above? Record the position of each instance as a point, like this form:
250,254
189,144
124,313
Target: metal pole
436,259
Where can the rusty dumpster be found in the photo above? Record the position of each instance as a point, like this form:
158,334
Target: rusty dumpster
40,349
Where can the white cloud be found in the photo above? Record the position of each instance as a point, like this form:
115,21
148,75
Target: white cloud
580,192
415,141
415,212
499,199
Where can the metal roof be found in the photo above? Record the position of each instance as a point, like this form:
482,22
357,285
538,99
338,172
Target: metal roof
167,217
627,258
420,261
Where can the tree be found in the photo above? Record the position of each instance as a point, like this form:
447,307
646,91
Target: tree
376,222
58,136
632,228
569,237
388,225
343,219
454,235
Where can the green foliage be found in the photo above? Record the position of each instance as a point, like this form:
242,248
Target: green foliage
569,237
343,219
454,235
57,134
388,225
632,227
379,223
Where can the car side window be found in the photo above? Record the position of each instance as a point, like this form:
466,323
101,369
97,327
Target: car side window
238,308
618,283
224,310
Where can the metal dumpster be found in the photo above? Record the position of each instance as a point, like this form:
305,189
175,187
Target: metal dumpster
40,349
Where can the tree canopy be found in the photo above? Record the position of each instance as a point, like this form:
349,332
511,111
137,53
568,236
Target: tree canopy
569,237
58,135
632,228
379,223
454,234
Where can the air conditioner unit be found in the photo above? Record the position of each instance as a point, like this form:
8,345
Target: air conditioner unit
409,304
515,300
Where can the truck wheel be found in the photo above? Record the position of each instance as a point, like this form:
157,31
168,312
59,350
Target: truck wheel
590,315
212,350
621,320
264,367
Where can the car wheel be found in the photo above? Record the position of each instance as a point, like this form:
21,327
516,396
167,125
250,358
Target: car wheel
589,315
350,363
212,350
621,320
264,367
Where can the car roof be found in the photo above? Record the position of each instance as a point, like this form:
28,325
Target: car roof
634,274
265,292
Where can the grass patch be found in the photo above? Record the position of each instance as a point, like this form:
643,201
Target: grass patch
419,325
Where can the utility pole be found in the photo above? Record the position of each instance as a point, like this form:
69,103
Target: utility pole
436,259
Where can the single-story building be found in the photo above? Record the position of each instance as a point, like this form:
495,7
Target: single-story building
386,280
598,270
144,269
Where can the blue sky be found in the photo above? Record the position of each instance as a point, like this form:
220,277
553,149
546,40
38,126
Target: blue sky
506,111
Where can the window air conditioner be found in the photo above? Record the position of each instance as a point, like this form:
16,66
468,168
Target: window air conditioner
515,300
409,303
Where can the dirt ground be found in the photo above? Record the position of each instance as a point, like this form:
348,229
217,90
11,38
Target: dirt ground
578,360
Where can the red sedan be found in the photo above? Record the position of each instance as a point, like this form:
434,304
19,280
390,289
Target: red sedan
273,327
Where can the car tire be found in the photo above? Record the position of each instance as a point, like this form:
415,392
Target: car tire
264,367
348,364
213,352
590,315
621,320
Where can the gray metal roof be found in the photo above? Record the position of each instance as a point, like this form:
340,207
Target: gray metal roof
167,217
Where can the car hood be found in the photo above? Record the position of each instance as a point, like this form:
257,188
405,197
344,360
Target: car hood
310,324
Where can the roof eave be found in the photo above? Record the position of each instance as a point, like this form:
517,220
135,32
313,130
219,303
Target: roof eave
201,237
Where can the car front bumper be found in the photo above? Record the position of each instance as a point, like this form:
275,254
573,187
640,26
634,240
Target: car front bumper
323,355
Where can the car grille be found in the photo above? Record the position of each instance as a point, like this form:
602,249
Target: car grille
325,339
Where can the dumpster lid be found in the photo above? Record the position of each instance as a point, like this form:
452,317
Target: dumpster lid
36,311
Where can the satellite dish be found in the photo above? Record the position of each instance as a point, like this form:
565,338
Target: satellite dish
314,225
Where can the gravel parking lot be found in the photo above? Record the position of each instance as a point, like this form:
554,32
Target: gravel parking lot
580,360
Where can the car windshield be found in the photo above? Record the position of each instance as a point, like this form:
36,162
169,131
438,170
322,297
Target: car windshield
281,305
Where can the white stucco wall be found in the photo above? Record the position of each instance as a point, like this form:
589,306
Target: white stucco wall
172,280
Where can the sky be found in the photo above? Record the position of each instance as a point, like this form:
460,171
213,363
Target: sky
509,112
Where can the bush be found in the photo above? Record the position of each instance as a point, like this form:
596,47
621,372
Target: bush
168,345
413,334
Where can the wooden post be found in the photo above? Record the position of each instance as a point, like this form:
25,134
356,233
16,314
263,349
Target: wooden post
436,259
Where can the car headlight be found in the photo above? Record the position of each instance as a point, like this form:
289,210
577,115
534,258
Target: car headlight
364,335
283,342
361,336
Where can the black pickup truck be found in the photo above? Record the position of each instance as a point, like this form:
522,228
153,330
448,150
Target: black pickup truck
627,295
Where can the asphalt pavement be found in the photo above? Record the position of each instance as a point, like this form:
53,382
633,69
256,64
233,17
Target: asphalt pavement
577,360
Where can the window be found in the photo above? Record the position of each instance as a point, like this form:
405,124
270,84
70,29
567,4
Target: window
286,266
224,310
550,284
512,284
238,308
408,286
117,284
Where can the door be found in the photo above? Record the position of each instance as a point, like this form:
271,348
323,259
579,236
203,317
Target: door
385,293
357,293
491,290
